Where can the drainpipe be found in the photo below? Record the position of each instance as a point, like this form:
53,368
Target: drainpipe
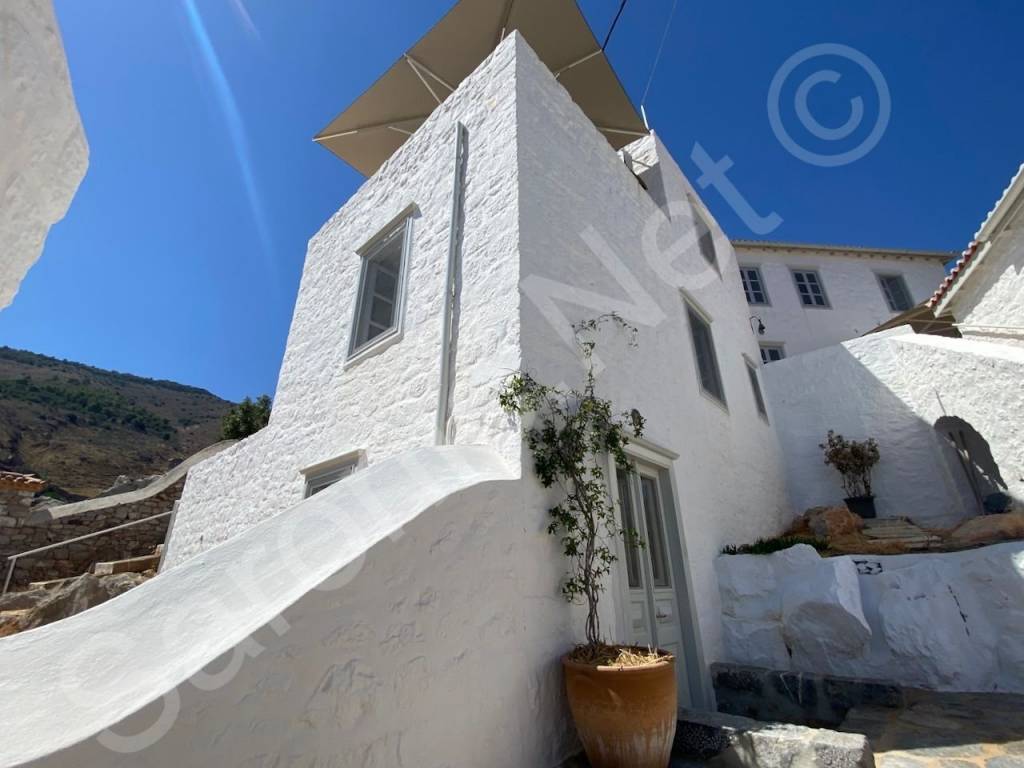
449,332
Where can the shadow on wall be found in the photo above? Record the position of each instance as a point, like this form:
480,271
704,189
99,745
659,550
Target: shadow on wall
866,395
975,457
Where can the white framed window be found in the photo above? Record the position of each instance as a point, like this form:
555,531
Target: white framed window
753,286
380,301
772,352
322,476
809,288
755,386
897,296
708,372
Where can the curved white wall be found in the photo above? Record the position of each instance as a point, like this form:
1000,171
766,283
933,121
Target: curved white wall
404,616
44,154
894,387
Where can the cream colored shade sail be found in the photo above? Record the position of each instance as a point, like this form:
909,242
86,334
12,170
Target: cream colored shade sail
382,118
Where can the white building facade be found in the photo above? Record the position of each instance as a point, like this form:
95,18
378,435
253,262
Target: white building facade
812,296
985,291
397,586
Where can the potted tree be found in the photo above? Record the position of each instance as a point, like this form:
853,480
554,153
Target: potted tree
622,698
853,460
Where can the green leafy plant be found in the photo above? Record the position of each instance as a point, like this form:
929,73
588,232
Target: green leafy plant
776,544
570,435
853,460
246,418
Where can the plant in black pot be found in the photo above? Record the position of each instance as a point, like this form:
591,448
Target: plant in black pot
853,459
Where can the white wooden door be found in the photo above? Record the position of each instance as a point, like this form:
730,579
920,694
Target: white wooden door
652,614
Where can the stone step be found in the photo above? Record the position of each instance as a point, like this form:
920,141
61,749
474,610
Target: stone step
131,565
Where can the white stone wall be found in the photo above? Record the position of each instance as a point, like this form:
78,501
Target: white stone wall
943,621
403,617
593,240
990,303
550,207
387,403
894,387
44,153
857,303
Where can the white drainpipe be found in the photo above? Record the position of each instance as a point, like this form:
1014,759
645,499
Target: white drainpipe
450,330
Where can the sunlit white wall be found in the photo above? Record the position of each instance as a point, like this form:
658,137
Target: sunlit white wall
43,152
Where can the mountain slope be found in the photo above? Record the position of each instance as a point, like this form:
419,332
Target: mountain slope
80,427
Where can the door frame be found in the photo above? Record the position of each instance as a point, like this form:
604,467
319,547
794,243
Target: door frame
645,452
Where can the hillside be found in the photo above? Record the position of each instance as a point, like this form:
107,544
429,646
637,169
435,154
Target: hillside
80,427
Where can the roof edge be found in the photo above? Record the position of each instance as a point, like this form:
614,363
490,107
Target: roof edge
778,245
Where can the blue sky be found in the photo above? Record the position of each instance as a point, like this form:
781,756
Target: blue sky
181,255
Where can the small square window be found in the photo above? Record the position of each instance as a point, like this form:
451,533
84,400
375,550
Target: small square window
755,385
772,352
753,285
325,475
810,289
704,350
378,312
896,294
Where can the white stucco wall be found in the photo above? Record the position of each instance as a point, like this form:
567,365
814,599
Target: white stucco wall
44,153
990,303
894,387
950,622
386,404
550,207
593,241
857,303
387,621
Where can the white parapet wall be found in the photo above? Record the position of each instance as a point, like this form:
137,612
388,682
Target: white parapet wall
951,622
895,387
43,152
405,616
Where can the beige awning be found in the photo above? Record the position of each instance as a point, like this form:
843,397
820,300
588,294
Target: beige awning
378,123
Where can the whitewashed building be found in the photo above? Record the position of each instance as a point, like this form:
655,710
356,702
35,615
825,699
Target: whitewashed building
43,151
812,296
369,580
985,291
375,561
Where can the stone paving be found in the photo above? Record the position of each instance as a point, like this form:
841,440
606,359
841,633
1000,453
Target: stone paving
945,730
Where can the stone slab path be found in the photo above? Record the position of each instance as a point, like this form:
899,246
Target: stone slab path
945,730
899,530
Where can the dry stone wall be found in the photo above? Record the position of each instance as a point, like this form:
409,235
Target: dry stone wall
23,528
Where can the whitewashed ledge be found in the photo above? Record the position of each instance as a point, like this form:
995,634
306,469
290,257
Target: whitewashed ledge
942,621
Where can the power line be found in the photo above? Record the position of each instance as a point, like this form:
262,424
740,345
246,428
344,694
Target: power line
661,48
615,21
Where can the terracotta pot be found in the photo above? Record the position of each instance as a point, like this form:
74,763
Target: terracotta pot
625,716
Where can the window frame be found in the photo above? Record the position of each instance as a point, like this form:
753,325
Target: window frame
334,469
771,345
694,310
882,277
760,404
760,278
401,224
794,271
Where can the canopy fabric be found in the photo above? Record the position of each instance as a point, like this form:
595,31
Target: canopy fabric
378,122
